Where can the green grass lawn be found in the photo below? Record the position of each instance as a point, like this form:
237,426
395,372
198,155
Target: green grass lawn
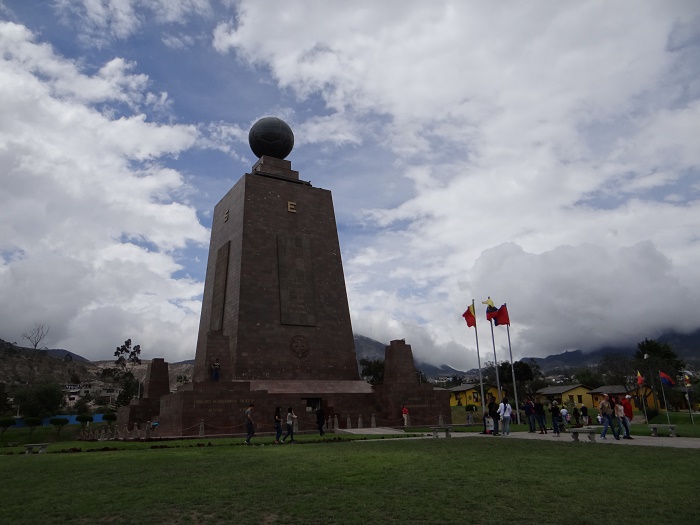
389,481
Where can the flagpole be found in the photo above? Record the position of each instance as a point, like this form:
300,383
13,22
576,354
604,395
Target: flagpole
687,398
498,381
668,418
512,369
644,403
478,360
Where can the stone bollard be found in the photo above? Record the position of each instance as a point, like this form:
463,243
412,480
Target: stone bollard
329,423
441,422
148,430
335,421
201,428
125,432
407,421
295,425
349,423
359,421
102,435
135,431
373,422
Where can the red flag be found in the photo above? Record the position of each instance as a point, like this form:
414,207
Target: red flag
640,379
469,316
666,379
501,316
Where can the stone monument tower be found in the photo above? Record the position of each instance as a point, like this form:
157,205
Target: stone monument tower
275,325
274,304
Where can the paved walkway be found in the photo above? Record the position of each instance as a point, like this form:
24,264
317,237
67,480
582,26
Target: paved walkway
565,437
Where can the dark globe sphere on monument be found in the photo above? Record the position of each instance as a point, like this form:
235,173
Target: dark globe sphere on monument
271,137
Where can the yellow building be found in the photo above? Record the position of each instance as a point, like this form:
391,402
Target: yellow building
563,394
470,394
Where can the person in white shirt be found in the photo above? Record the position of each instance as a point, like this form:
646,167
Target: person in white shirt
505,410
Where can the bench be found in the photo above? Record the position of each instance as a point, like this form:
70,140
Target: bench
591,432
655,430
446,430
30,448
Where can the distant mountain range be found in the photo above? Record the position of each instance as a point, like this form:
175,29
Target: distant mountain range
687,346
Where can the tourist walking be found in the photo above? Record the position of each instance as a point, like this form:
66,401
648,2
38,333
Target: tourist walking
629,414
584,415
541,417
556,415
505,411
291,416
278,424
605,413
249,424
529,408
622,420
404,414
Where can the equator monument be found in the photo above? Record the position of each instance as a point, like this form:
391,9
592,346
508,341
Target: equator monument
275,319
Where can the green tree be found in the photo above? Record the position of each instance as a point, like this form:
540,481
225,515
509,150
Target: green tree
659,356
589,376
59,423
84,419
372,371
82,405
129,389
653,356
5,405
109,417
127,356
5,423
42,400
32,423
617,369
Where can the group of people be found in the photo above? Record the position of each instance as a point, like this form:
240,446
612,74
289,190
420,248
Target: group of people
536,415
621,411
502,412
289,421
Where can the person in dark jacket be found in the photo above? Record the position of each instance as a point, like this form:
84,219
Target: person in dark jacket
541,417
320,420
529,408
556,415
493,414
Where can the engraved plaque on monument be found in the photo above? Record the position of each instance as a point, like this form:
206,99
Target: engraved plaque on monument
296,275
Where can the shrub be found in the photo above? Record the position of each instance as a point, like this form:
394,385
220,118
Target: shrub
84,419
32,423
59,423
5,423
109,418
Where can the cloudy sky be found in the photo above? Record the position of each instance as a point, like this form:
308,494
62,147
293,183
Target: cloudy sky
545,154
